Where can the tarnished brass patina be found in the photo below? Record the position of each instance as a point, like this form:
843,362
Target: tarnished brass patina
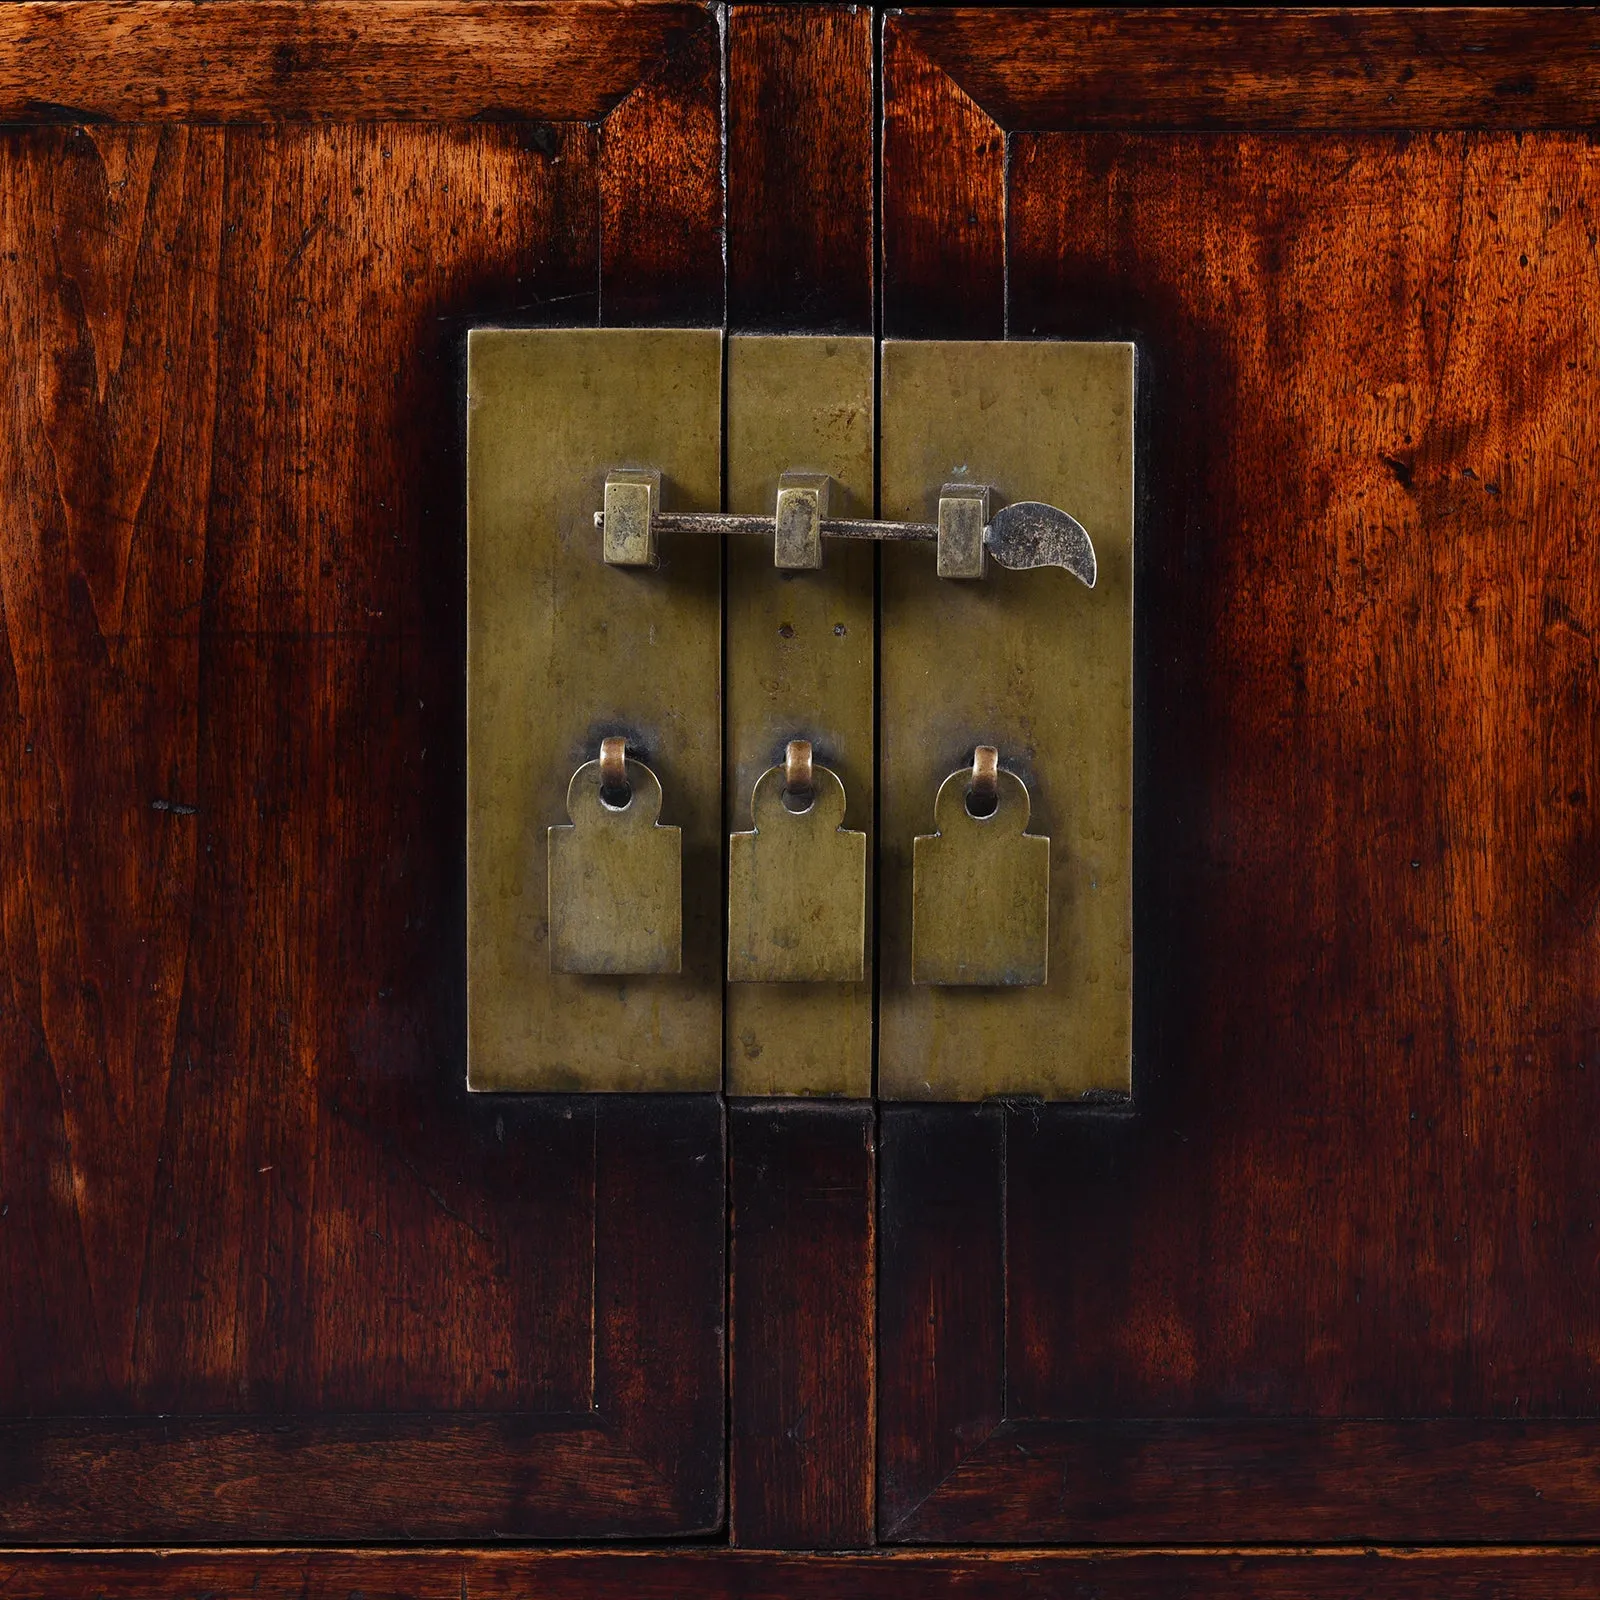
980,909
1034,662
616,874
1021,537
797,525
564,650
800,665
797,882
633,499
963,515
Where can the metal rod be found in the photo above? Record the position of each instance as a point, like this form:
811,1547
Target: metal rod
719,523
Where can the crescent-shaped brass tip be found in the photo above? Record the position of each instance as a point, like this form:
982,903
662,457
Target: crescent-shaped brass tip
1031,534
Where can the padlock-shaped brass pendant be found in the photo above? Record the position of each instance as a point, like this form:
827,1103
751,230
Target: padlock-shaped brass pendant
797,883
616,875
980,886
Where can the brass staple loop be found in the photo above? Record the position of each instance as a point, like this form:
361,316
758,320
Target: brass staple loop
613,764
985,772
797,775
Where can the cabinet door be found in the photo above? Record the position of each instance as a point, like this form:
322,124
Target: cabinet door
1333,1278
266,1269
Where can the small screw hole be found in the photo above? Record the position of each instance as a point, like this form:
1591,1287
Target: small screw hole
982,806
618,799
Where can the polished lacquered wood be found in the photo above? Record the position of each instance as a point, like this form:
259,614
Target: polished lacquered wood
800,180
266,1273
265,1270
803,1324
1256,67
802,1176
1332,1277
342,61
639,1574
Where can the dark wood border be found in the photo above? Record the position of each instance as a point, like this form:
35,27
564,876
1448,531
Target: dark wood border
802,1324
956,83
1271,1479
1293,1574
233,61
954,1468
800,159
1260,68
646,1460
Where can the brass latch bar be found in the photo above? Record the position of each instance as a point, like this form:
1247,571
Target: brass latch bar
1020,537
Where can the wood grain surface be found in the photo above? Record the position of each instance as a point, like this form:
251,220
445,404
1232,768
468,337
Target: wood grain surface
1255,67
478,1574
803,1324
661,199
266,1272
941,1295
232,61
242,1188
1335,1272
800,160
943,175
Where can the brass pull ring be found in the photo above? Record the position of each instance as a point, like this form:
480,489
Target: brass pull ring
983,794
614,785
797,774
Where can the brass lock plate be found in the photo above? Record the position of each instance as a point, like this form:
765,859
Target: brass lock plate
564,651
980,891
797,887
800,666
615,878
1033,663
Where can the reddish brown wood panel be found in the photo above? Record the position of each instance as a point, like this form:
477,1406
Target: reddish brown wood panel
1357,1183
661,200
1373,409
1569,1574
1253,67
943,175
800,158
802,1325
338,61
1269,1480
941,1325
242,1187
637,1449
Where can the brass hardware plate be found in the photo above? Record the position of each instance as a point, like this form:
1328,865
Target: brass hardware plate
1031,662
800,665
563,650
963,515
797,535
633,497
797,887
616,878
980,889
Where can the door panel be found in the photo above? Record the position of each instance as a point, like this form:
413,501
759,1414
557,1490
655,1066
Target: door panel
259,1250
1333,1276
266,1270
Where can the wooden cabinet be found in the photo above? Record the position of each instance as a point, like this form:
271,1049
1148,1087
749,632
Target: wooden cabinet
1319,1315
